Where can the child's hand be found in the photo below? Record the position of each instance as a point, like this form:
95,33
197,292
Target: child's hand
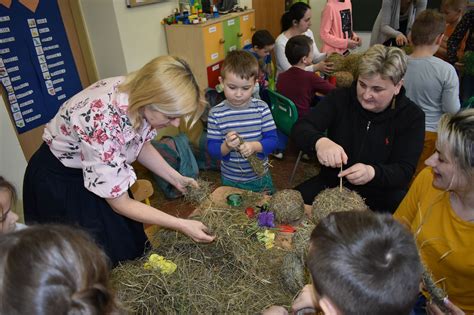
358,40
246,149
324,66
232,140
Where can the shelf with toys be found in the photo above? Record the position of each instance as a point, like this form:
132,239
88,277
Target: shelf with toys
204,45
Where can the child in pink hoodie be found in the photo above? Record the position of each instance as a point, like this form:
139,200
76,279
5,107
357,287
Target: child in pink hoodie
336,27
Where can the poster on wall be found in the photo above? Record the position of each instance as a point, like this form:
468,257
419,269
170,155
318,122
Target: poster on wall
37,68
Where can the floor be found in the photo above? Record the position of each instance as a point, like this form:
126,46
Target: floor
280,169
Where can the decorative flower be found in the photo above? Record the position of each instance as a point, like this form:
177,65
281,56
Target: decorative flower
267,238
157,262
266,219
250,212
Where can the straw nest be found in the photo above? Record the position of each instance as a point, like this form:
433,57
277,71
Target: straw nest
343,78
233,274
437,294
336,200
287,205
293,273
348,63
257,165
196,195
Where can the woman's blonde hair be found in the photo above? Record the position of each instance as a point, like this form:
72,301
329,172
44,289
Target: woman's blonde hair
389,62
456,133
165,84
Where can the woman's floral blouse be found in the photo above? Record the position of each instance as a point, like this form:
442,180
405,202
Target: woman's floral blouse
92,131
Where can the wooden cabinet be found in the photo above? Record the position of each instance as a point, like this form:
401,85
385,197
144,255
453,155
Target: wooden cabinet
204,46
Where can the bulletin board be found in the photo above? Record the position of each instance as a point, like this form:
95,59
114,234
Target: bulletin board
45,58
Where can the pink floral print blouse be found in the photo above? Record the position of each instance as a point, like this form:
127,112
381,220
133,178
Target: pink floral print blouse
92,131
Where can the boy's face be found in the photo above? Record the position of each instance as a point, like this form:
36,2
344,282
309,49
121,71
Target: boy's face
263,52
450,14
237,91
308,60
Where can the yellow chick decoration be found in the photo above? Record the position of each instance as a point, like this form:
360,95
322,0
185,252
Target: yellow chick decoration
157,262
267,238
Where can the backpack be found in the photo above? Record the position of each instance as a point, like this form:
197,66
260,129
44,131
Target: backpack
177,152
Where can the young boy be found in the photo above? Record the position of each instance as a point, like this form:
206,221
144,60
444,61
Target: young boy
241,117
296,83
361,263
429,81
262,45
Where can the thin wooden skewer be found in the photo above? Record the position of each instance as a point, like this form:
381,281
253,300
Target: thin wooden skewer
340,182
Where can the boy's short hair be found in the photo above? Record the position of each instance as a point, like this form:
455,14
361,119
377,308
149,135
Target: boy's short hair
297,47
365,263
454,4
241,63
427,26
262,38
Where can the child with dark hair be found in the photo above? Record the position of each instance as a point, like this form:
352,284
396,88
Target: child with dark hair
361,263
51,269
261,47
430,82
7,202
296,83
241,118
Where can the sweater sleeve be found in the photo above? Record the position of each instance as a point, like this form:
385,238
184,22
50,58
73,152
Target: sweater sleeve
317,55
325,30
407,145
215,138
408,208
386,16
269,141
320,85
308,130
450,93
281,60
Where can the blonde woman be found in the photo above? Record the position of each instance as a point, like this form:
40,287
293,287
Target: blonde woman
82,172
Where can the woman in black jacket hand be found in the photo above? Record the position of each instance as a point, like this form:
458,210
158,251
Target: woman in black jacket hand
371,129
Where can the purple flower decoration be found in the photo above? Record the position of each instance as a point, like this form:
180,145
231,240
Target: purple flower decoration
265,219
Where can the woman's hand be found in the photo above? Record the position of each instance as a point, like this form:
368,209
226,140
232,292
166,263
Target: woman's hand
197,231
324,66
433,309
305,299
401,40
181,182
358,174
329,153
232,140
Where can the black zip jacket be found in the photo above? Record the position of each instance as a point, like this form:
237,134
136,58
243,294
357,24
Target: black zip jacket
391,141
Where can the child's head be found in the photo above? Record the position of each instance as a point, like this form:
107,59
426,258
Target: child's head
7,202
263,43
453,10
364,263
428,27
238,76
299,49
48,269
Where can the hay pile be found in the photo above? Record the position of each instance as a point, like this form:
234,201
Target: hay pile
301,238
346,69
257,165
437,294
334,200
234,274
293,273
288,206
197,195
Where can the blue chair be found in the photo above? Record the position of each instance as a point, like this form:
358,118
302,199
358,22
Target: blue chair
285,115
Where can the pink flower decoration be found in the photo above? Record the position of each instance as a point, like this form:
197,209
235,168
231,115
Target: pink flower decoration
96,105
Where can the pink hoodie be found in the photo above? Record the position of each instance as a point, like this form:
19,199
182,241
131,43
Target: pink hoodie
336,26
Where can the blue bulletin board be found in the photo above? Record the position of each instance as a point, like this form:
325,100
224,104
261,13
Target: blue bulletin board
37,69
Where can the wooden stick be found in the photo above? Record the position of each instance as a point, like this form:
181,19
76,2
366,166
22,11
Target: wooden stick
340,182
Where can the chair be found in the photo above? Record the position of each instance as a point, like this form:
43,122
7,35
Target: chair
285,115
